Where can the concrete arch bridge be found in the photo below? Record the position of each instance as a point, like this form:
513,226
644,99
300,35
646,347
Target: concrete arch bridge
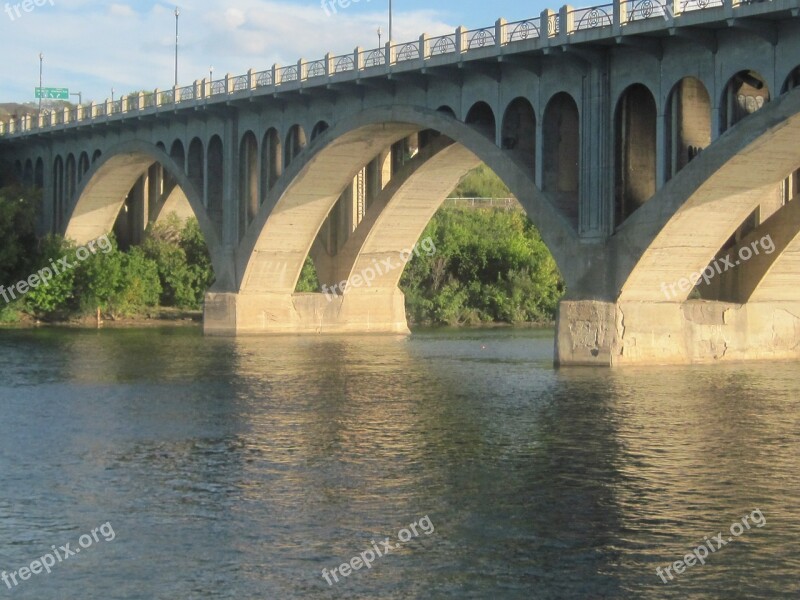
654,143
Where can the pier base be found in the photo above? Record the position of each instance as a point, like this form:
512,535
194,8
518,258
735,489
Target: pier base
696,331
369,311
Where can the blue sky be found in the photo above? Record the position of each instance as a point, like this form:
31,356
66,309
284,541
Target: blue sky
92,46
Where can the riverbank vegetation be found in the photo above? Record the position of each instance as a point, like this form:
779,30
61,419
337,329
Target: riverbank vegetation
489,266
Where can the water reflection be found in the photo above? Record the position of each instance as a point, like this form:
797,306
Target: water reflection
241,468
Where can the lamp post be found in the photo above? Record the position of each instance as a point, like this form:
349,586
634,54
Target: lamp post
41,62
390,21
177,14
210,74
380,32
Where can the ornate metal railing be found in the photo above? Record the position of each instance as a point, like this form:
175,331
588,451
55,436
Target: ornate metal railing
241,82
445,44
263,78
374,58
344,63
315,69
480,38
639,10
524,30
289,74
186,93
690,5
549,24
218,87
407,51
592,18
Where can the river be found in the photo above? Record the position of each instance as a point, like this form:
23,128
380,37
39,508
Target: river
241,468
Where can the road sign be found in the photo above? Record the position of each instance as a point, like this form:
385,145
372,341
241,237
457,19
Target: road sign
53,93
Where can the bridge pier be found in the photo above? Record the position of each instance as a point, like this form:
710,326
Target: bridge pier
359,311
599,333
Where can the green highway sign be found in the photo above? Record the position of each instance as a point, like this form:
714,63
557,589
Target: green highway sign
53,93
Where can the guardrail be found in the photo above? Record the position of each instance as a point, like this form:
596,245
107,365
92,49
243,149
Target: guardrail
549,25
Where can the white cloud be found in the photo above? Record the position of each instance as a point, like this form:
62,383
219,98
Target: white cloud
91,46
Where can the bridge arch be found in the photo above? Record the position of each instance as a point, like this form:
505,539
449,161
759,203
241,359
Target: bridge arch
688,123
635,124
319,128
271,161
195,170
561,153
216,180
27,173
38,173
792,80
275,248
745,92
519,130
482,117
248,180
444,109
681,230
107,184
83,166
295,143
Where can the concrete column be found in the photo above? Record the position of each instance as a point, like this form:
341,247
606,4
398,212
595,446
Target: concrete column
137,212
596,209
230,185
155,190
661,149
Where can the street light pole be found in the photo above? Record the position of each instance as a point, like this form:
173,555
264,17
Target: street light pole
380,32
177,14
390,21
41,61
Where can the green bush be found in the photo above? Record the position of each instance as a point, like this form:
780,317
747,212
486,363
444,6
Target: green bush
119,283
183,262
489,265
56,295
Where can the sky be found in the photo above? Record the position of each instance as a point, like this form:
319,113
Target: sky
92,46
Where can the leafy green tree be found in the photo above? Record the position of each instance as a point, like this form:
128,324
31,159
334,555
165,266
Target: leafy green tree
18,213
56,294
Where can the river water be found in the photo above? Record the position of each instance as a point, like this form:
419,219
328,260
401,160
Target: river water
241,468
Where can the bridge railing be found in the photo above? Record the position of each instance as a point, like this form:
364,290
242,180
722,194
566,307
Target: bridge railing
549,27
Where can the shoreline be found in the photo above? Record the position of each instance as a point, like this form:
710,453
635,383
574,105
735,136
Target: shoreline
171,317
